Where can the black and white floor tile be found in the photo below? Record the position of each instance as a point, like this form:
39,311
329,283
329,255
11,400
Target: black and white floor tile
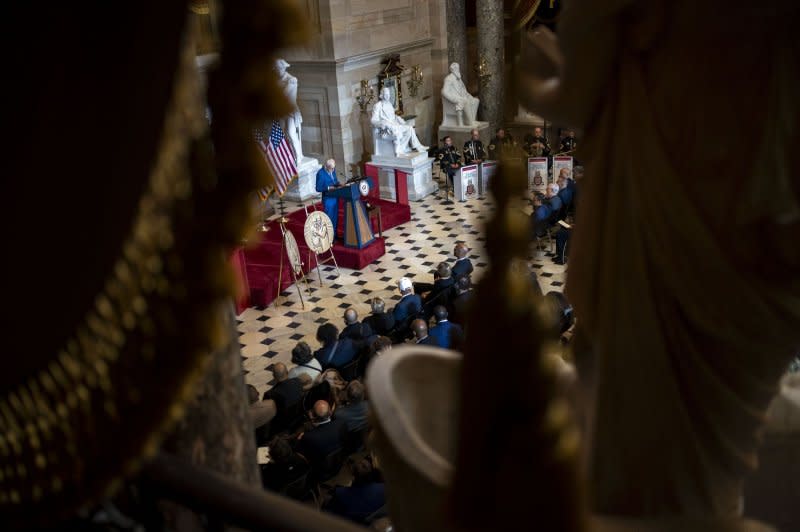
267,335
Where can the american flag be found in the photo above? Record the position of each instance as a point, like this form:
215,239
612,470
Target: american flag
279,156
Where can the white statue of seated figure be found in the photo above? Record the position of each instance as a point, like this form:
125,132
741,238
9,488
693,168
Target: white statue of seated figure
392,127
459,107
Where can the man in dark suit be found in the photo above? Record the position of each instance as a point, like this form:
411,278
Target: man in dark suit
287,393
556,205
540,217
473,149
410,303
446,333
353,329
335,352
462,266
460,302
327,436
565,192
421,335
363,498
354,413
380,322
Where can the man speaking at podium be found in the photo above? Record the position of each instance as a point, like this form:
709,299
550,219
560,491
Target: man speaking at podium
326,181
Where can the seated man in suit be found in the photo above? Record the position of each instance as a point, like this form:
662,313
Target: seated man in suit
460,302
406,309
439,291
363,498
565,192
354,329
540,217
326,436
379,322
335,352
555,202
447,334
421,335
354,413
462,266
284,467
287,393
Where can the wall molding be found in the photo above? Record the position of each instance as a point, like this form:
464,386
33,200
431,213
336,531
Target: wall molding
364,59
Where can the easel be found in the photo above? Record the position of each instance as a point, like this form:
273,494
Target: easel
317,255
282,222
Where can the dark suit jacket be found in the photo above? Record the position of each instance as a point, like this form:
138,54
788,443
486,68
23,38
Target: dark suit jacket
380,324
346,351
429,340
356,331
444,332
354,415
408,306
322,440
440,293
457,310
357,502
460,268
286,393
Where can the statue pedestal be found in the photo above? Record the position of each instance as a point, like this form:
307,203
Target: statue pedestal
416,166
461,134
304,187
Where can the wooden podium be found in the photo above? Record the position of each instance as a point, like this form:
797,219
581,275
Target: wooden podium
357,230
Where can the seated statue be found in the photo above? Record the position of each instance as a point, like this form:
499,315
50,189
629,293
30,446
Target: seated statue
459,106
390,126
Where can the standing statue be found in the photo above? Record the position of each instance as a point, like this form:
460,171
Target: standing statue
388,125
456,101
293,123
695,313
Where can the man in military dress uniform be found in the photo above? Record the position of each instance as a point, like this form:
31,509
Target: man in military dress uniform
473,149
539,147
500,143
568,143
449,158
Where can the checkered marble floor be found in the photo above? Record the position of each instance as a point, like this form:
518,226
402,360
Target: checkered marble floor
267,335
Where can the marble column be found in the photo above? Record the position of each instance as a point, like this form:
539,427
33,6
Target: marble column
491,58
457,36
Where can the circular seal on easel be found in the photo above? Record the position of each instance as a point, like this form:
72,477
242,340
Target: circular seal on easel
318,232
293,252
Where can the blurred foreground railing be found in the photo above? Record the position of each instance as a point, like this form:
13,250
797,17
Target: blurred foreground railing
209,493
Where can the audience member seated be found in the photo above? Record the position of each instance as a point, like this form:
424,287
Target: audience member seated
540,217
362,501
329,387
421,336
379,322
354,412
565,192
261,413
285,466
353,329
459,303
555,203
307,365
462,266
446,333
287,394
335,352
378,346
406,309
326,436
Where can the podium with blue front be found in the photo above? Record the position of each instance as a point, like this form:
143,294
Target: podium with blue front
357,230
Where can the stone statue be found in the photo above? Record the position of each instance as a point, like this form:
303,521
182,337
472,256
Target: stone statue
388,125
688,357
456,101
293,123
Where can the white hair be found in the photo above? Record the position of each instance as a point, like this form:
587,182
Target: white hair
330,163
554,187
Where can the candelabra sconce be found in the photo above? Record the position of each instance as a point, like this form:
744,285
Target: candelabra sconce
483,70
416,81
365,96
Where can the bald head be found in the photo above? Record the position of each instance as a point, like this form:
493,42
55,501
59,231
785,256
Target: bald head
350,316
460,250
420,329
280,372
322,410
